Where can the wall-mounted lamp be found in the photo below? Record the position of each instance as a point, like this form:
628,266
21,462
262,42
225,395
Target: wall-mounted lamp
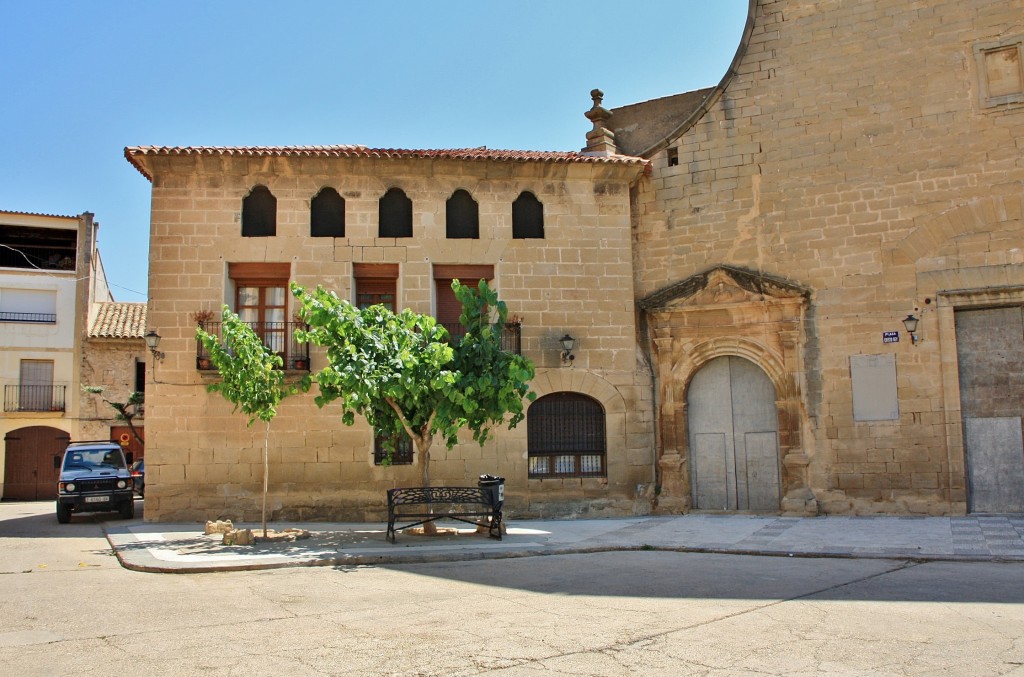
568,343
910,322
152,341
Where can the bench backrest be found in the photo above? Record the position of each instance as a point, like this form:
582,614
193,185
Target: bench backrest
426,495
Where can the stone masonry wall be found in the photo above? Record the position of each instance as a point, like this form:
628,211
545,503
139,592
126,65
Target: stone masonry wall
109,363
202,460
867,151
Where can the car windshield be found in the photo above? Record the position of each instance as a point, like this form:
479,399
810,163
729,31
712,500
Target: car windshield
88,459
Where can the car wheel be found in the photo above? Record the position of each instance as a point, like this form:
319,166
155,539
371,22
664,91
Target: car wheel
127,509
63,513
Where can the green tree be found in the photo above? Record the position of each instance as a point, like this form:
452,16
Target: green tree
401,372
251,378
127,411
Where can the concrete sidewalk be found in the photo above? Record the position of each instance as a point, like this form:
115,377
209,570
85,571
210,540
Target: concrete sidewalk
183,548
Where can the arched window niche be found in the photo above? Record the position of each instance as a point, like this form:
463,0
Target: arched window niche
327,214
259,213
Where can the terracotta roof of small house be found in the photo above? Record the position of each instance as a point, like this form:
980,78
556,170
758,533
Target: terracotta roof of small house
119,320
51,216
134,153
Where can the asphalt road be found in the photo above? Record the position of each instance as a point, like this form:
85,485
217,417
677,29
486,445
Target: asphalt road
67,607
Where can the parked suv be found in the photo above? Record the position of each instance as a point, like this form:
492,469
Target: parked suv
94,477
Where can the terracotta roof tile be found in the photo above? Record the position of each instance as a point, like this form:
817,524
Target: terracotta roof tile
132,153
119,320
54,216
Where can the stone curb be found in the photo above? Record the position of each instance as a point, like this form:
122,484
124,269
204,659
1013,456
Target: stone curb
459,554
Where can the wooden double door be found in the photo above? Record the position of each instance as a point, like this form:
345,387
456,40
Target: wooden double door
32,462
734,439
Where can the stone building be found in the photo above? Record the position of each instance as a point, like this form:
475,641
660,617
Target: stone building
861,162
51,284
114,356
797,291
551,231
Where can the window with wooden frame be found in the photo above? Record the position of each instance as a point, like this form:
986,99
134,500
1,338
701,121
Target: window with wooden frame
36,390
566,437
376,284
259,213
447,306
527,217
327,214
462,216
394,214
261,301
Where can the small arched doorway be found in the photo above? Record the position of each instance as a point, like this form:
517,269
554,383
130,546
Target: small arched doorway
733,437
32,462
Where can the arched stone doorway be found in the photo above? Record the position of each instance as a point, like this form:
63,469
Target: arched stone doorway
733,437
755,321
32,462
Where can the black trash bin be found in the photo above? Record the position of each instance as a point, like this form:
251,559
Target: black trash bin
496,485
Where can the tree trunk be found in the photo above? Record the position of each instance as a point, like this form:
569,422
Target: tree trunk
135,433
423,448
266,475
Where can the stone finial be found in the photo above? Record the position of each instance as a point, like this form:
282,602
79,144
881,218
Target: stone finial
601,139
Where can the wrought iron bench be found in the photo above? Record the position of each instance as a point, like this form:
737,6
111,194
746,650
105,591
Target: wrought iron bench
428,504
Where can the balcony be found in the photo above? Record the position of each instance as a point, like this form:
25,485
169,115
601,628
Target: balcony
279,336
38,318
511,336
34,397
38,248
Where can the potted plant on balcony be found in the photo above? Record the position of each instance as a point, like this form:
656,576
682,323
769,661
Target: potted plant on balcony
202,318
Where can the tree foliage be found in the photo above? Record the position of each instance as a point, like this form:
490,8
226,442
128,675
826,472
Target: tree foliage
127,411
252,379
401,372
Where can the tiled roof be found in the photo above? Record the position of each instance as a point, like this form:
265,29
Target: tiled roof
52,216
119,320
133,153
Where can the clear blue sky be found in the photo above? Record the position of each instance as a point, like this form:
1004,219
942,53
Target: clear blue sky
82,80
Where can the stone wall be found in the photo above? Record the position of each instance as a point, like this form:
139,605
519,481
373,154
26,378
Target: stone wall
202,460
109,363
870,153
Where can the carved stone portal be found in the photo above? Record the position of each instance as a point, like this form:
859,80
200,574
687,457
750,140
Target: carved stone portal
728,311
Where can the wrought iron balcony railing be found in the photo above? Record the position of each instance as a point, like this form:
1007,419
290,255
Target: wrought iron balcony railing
278,336
23,397
42,318
511,336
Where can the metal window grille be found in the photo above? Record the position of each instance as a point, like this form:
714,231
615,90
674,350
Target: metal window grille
566,437
402,455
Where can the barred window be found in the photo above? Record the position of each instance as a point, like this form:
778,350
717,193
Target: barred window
402,455
566,436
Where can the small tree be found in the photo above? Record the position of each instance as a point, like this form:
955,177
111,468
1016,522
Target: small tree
127,411
400,372
251,378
